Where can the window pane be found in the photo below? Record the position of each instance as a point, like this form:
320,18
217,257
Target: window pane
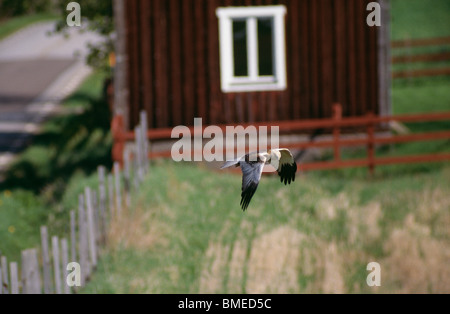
265,46
240,47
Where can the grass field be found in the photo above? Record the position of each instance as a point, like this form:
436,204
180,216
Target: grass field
187,234
419,19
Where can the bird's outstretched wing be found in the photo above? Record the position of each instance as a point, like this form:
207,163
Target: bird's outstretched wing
251,174
230,163
287,167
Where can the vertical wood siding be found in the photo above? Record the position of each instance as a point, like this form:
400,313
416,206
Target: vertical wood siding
173,56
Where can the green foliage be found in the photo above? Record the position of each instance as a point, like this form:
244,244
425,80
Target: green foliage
10,8
98,13
97,17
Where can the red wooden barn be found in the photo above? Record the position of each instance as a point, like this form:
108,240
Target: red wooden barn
245,61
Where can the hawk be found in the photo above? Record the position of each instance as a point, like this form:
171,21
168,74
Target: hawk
252,166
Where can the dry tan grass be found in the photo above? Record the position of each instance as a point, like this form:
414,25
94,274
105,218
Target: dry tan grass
236,266
212,275
237,263
327,208
135,230
363,223
333,281
282,259
273,262
417,262
425,243
327,265
271,267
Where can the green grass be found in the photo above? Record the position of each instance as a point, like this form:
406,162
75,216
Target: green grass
418,96
187,233
21,213
10,26
414,19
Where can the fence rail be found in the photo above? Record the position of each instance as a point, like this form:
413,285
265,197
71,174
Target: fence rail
46,270
335,125
421,57
407,43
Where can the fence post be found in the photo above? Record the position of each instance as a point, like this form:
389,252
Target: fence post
73,236
46,260
136,181
96,215
83,241
126,177
56,264
5,283
35,273
65,262
1,279
117,186
145,146
111,196
139,153
102,203
31,281
337,116
117,129
26,287
13,268
371,143
91,227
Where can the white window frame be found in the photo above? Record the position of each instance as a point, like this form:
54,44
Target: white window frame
252,82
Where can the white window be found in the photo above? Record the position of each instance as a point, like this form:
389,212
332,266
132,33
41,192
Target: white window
252,48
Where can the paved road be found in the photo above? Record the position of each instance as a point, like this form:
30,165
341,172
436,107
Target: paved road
36,72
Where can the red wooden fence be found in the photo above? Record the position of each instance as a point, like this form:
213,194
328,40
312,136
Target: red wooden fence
336,124
422,57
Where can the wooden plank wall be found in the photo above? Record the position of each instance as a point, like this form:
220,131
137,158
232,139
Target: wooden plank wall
174,70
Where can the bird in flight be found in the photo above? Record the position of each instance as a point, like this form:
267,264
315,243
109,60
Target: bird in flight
252,167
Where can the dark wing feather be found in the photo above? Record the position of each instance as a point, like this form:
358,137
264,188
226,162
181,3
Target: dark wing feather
251,174
287,172
287,167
